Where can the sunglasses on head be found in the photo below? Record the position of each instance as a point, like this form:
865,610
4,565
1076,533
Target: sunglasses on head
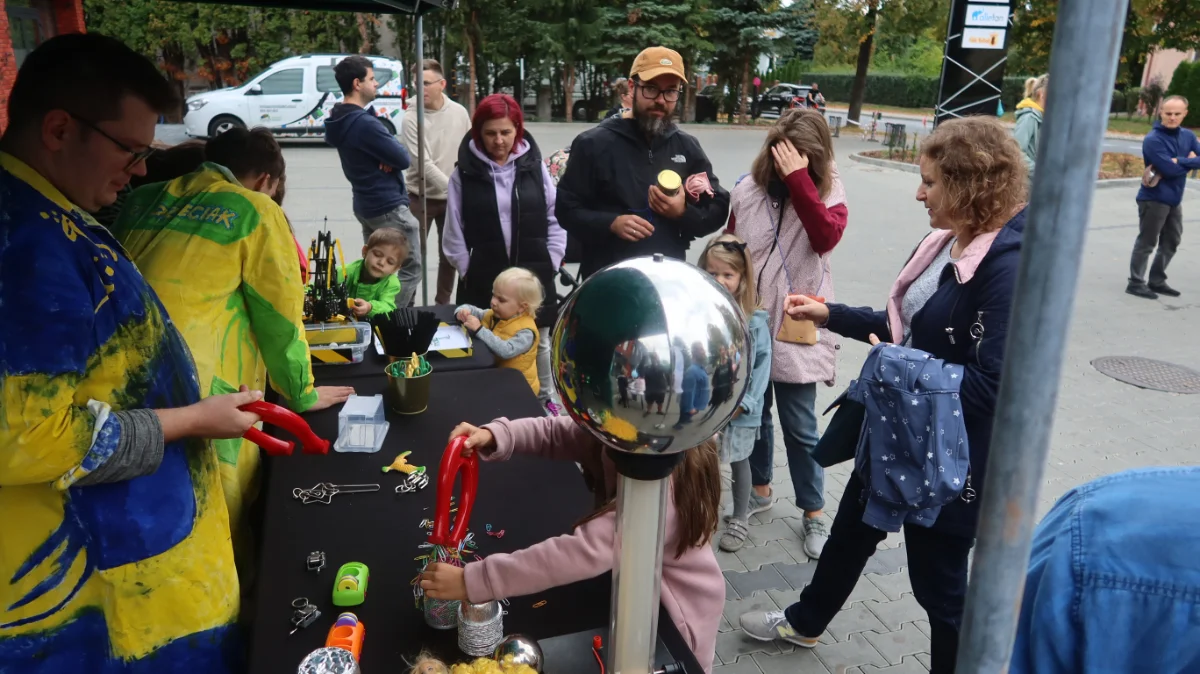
732,246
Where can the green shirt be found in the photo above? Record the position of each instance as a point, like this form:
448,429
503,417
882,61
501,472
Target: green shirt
381,294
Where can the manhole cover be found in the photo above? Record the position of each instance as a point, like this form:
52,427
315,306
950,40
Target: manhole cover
1152,374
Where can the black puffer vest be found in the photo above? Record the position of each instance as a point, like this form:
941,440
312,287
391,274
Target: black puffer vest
490,254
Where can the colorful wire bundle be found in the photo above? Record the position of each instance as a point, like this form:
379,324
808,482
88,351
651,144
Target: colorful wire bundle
441,614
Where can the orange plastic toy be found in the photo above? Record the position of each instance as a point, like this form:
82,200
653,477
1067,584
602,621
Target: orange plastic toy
347,634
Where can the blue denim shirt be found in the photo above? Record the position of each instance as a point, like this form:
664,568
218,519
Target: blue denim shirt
1114,578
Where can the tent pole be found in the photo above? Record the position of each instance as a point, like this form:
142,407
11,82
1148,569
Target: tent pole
1083,63
419,73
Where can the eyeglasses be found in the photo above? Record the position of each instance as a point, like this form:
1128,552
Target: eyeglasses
136,156
651,92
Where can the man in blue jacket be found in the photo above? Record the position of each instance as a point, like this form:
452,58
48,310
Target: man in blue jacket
374,162
1172,150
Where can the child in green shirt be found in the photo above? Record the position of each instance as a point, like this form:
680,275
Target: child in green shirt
372,281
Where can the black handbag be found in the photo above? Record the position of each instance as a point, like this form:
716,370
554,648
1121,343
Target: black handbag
839,442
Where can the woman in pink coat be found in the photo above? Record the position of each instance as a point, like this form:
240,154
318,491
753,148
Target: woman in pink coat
693,589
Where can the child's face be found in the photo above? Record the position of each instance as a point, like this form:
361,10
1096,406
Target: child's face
505,304
382,261
725,274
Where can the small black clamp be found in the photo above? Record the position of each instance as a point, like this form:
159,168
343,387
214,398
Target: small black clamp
316,561
304,614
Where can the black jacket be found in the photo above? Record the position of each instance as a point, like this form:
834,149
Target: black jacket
945,328
490,253
610,173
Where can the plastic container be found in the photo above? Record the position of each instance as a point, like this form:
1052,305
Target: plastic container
361,425
338,343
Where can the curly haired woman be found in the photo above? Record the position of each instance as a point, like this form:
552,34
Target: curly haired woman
951,300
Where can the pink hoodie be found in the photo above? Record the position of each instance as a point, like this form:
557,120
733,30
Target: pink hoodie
693,589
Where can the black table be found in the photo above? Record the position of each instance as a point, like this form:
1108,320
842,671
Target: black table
372,363
530,499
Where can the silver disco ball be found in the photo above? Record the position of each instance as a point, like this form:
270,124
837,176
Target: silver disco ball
651,355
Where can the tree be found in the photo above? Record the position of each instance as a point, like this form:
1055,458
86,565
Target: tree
849,30
572,32
742,30
631,27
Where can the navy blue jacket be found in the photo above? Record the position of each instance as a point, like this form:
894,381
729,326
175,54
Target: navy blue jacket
986,299
1159,147
363,144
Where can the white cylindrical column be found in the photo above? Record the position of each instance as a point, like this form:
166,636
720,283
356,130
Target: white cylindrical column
637,570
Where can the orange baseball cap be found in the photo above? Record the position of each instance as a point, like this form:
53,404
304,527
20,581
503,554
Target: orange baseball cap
657,61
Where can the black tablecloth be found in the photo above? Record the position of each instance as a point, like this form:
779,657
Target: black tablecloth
373,363
532,500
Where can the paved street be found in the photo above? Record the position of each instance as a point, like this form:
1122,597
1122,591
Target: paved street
1102,426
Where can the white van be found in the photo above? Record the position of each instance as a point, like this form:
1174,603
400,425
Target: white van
292,98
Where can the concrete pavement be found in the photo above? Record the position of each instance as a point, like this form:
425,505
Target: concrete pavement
1101,426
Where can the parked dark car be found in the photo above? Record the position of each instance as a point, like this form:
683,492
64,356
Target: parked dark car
709,102
779,98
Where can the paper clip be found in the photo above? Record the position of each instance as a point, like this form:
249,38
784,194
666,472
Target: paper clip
324,492
540,604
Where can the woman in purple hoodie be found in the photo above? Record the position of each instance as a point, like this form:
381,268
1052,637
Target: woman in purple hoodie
500,214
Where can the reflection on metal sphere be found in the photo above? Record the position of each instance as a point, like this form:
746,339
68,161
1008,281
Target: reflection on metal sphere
651,355
523,650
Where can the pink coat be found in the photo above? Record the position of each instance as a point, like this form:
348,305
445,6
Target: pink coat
693,589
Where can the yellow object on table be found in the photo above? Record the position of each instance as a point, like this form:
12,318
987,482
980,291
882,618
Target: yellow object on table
401,464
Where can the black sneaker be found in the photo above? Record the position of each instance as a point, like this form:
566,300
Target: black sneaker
1139,290
1164,289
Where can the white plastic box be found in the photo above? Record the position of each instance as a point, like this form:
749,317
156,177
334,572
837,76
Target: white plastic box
361,425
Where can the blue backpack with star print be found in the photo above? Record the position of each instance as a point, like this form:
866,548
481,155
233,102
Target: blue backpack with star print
912,453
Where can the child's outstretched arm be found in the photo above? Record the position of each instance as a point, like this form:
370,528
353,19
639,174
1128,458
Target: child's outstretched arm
557,438
507,348
585,553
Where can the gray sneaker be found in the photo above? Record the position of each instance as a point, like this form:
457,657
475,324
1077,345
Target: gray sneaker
734,537
758,504
772,625
816,534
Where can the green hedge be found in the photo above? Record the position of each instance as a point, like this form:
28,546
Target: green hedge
1186,82
906,91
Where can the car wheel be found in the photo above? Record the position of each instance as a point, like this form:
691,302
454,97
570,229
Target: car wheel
387,124
224,123
579,113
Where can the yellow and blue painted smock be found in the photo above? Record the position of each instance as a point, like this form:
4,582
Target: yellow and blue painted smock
132,576
223,261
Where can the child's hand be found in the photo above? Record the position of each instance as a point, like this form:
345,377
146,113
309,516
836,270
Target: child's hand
471,323
444,581
477,438
361,308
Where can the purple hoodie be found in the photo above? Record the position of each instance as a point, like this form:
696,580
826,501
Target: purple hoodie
454,244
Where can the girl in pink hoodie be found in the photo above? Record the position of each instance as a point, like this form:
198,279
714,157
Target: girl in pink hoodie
693,589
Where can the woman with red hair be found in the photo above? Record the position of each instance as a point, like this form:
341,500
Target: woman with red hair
500,214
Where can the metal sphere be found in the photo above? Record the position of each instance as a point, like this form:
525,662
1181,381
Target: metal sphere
663,322
522,649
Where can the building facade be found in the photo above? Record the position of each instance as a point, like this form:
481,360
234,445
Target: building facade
24,24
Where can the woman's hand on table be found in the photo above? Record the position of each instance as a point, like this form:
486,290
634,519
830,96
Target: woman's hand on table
444,581
328,396
805,308
477,438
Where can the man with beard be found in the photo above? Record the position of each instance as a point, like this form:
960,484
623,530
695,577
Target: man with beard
609,196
